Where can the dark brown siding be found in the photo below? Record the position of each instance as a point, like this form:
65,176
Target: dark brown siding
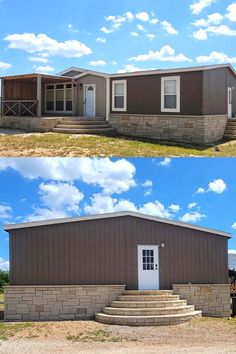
105,252
144,93
231,82
19,90
214,91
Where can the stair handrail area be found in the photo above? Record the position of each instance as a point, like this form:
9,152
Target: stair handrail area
18,108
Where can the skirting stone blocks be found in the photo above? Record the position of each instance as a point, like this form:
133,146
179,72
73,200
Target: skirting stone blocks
178,128
212,299
29,124
52,303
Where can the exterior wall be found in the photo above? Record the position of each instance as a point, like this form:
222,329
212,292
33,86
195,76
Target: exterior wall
29,124
231,82
212,299
214,91
104,251
100,83
49,303
20,90
189,129
144,94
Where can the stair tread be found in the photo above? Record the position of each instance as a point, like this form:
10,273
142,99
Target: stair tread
148,308
62,126
151,316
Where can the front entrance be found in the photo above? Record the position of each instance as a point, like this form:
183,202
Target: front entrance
230,110
148,267
89,100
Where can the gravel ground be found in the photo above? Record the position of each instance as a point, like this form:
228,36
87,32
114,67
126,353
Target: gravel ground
199,336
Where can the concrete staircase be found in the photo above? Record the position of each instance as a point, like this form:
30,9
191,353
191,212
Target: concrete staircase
147,308
81,125
230,130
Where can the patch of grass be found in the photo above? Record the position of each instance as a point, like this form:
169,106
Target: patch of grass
10,329
52,144
1,297
99,335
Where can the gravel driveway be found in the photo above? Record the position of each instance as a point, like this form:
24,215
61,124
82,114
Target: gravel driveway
199,336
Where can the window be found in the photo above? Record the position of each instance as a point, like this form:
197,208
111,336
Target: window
119,93
170,94
148,260
58,98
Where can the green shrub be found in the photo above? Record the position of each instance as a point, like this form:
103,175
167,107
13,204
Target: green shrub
4,279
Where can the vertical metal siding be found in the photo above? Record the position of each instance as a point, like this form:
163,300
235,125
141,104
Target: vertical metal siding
105,252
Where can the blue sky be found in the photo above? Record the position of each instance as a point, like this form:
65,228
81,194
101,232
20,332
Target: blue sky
118,35
200,191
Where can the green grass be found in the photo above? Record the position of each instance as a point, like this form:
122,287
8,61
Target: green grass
1,297
51,144
8,330
99,335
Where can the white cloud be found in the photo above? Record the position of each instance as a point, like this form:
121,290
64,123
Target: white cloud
101,40
221,30
175,208
151,36
112,176
147,183
215,19
4,265
128,68
5,211
114,62
200,5
192,217
134,34
167,26
154,21
70,28
42,44
231,15
97,62
5,66
231,251
155,208
201,35
44,69
216,57
143,16
58,200
192,205
106,204
106,30
39,60
217,186
166,162
166,53
140,27
234,226
129,16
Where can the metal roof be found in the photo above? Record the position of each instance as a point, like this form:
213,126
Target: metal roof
114,215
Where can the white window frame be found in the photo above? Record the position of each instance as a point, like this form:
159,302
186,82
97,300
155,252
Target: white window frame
64,96
125,95
163,80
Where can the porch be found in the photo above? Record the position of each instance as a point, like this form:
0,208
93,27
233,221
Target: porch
38,95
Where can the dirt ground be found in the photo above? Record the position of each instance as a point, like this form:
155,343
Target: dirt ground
206,335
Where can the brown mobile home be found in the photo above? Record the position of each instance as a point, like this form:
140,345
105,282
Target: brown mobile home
186,104
116,251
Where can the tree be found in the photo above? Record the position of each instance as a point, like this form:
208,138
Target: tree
4,278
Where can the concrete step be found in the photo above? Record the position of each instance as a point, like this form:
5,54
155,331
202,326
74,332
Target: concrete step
161,320
230,136
147,311
148,297
82,126
100,131
148,304
82,119
148,292
83,122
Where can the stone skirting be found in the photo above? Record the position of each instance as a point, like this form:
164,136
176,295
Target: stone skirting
29,124
179,128
52,303
212,299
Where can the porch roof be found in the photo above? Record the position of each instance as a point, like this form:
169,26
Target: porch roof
35,76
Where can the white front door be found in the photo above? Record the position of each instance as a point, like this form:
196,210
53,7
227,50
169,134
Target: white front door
89,100
148,267
230,102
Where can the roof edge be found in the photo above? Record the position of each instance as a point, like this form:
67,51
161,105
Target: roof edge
112,215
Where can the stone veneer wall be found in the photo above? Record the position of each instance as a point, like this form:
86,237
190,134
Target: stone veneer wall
51,303
179,128
212,299
29,124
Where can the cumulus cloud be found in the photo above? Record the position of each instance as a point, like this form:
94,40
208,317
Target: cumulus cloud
71,28
151,36
41,43
231,12
140,27
112,176
231,251
5,211
216,57
217,186
194,216
101,40
4,265
155,208
143,16
147,183
97,62
234,225
215,19
166,53
192,205
44,69
166,162
134,34
5,66
39,60
167,26
197,6
175,208
128,68
221,30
